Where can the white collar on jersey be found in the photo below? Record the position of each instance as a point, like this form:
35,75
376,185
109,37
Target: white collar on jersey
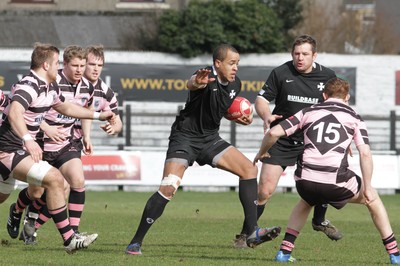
216,74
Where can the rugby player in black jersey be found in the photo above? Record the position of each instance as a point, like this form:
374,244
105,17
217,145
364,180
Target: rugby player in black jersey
195,138
293,86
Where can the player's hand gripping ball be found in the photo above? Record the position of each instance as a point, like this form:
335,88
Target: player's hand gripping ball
240,107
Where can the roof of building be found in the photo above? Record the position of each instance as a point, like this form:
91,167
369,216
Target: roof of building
21,30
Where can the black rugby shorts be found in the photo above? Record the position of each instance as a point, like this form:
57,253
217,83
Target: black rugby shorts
201,149
71,151
319,193
284,152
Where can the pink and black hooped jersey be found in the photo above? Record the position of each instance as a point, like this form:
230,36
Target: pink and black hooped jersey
328,129
37,97
3,101
104,99
80,94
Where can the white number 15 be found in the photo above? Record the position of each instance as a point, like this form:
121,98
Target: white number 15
331,135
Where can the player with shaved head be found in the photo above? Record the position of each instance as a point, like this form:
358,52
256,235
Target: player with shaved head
195,138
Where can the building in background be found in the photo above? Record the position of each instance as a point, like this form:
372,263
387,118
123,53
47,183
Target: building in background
89,5
341,26
117,24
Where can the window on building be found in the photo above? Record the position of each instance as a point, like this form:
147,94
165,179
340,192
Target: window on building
142,4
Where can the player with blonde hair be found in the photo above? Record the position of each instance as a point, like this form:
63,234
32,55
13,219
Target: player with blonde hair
21,157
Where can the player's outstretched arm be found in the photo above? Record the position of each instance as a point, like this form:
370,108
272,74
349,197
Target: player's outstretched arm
74,110
113,129
270,138
199,80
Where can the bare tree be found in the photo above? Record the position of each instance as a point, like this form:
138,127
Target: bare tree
339,30
386,41
321,22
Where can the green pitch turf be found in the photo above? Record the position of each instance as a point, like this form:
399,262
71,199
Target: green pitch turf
198,229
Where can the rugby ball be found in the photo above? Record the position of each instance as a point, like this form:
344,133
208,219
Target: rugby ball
239,107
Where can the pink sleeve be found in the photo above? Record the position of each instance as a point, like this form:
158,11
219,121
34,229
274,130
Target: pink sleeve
361,134
293,123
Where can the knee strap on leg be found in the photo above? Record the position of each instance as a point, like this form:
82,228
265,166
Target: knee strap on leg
37,172
171,180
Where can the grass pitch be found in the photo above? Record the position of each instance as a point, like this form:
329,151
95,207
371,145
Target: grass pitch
198,229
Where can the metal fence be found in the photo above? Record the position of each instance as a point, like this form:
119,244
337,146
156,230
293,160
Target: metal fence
144,129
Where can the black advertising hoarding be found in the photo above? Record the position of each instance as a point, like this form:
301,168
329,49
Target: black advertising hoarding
167,83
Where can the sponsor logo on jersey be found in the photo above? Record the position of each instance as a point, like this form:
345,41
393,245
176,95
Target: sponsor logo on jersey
289,80
39,119
232,94
64,117
302,99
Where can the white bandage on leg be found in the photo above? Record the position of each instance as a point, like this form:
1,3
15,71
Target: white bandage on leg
37,172
171,180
